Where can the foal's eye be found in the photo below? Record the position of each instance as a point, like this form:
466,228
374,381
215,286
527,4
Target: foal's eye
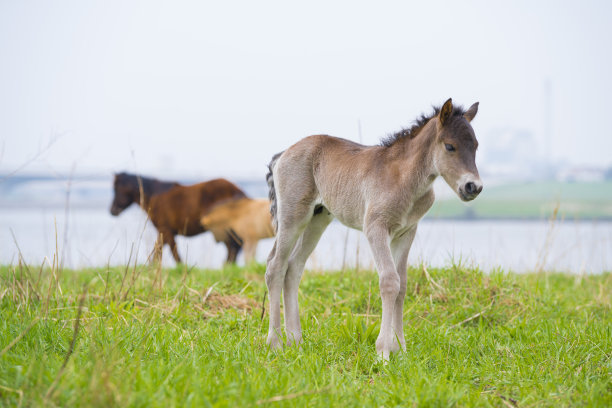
449,147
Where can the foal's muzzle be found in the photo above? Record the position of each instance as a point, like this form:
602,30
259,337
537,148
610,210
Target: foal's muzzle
470,190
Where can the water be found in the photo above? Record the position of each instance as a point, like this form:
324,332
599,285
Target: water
92,237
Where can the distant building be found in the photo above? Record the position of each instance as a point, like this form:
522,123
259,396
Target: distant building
582,174
513,154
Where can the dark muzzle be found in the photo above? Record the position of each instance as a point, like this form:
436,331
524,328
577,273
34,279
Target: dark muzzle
471,190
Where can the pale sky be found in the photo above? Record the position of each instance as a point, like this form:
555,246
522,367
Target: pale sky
216,88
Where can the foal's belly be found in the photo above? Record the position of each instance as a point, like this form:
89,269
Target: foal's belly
350,222
402,216
350,217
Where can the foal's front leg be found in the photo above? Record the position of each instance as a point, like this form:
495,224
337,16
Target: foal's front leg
378,238
400,248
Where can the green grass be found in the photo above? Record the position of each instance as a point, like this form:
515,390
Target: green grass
533,200
151,338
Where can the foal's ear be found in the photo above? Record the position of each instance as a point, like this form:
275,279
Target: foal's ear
471,113
446,111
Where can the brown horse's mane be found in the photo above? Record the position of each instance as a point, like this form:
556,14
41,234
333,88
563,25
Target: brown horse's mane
150,186
417,126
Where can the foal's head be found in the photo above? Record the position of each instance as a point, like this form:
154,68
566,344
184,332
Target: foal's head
455,150
126,192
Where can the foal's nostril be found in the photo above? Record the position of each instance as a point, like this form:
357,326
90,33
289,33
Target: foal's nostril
479,189
470,188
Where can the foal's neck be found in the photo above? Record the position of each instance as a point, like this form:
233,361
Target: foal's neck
414,156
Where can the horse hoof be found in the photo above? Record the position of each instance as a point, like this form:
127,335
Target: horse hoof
383,357
294,340
274,342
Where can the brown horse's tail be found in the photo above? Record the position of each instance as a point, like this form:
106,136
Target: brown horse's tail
271,191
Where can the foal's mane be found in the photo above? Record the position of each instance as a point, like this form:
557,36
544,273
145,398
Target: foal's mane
417,126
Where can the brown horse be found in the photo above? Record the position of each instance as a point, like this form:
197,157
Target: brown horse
381,190
175,209
248,218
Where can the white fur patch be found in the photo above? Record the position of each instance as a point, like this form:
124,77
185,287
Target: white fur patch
467,178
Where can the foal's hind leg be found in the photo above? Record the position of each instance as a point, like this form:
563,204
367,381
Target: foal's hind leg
290,228
305,245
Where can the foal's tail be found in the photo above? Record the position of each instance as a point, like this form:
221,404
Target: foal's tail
271,191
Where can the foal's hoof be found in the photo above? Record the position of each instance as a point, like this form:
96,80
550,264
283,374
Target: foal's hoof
384,347
389,347
294,340
383,356
274,342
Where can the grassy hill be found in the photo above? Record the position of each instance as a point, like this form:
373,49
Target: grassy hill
533,200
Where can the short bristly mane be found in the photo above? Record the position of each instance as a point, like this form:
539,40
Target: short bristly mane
419,123
150,186
132,180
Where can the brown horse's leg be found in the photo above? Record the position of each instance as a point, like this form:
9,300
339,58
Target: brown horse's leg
232,252
156,256
175,253
233,244
168,238
250,248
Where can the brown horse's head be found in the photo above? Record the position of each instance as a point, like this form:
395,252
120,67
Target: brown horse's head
455,150
126,193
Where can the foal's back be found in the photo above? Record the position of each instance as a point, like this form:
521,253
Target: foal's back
330,171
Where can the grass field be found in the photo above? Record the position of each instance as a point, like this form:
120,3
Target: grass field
144,337
533,200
